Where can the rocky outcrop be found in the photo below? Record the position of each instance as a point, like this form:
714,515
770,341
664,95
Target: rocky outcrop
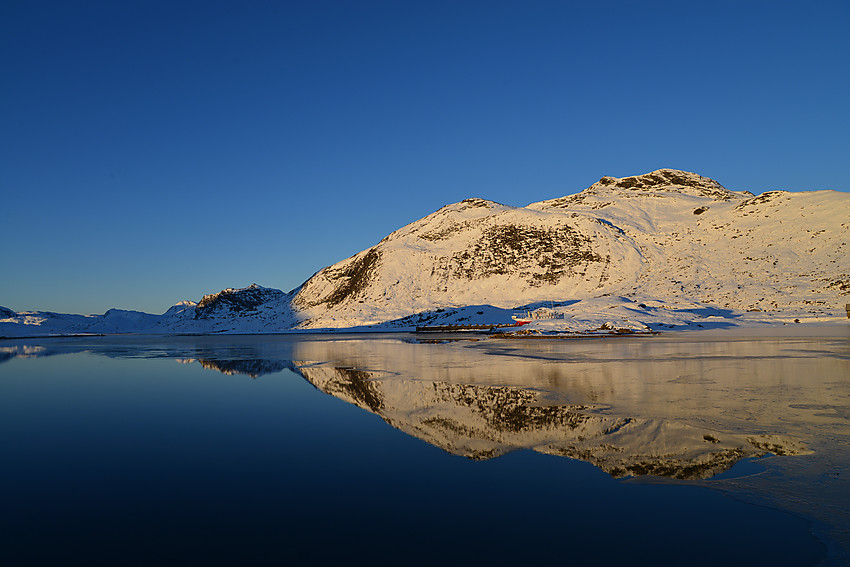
238,302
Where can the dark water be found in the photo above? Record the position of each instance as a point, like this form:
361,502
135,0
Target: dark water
282,450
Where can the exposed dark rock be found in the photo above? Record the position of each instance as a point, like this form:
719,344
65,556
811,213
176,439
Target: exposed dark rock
350,280
235,301
476,202
357,385
680,468
672,180
539,255
762,199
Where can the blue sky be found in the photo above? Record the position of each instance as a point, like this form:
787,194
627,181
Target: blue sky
152,152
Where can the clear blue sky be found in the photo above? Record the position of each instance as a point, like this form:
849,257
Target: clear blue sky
155,151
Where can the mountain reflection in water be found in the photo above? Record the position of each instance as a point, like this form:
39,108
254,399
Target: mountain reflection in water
483,421
671,408
253,368
686,407
677,407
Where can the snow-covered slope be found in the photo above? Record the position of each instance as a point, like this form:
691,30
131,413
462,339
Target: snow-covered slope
36,323
254,309
668,236
470,253
668,248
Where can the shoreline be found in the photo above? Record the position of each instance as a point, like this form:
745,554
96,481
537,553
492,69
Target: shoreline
833,329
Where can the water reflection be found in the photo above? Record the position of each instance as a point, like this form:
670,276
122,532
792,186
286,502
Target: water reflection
485,421
253,368
647,408
685,409
681,407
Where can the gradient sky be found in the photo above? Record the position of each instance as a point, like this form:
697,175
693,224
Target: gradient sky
152,151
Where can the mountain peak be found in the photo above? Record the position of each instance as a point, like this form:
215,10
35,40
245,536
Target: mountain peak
242,300
181,307
667,181
472,203
658,183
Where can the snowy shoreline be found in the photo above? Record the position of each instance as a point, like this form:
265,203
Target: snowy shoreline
832,328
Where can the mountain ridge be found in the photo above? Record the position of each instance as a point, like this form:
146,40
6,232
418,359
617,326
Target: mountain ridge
619,236
668,236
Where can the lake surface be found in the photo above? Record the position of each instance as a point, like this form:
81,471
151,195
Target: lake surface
328,449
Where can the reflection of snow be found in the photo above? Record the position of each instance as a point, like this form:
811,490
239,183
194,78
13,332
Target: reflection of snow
482,422
684,404
22,351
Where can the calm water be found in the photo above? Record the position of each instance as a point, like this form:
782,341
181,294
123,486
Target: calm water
382,449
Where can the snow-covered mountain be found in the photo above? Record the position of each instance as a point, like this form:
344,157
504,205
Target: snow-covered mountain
30,323
254,309
669,236
649,251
